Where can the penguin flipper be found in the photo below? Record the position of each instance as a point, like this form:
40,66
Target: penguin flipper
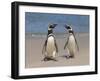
43,50
76,43
77,46
56,47
44,47
66,43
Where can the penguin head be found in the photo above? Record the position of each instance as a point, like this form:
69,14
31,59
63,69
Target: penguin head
69,28
52,26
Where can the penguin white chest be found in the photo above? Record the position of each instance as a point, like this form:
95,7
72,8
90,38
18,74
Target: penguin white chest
71,44
50,45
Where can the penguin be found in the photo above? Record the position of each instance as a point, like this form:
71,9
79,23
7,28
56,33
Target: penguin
71,43
50,48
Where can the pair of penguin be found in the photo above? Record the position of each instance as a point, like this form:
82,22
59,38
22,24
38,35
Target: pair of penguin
50,48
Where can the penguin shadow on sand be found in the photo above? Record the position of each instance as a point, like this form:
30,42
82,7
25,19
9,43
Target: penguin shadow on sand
50,47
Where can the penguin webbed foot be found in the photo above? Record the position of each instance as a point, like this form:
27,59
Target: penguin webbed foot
68,56
71,56
49,59
45,59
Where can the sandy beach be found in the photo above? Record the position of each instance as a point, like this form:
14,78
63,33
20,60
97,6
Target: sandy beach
34,56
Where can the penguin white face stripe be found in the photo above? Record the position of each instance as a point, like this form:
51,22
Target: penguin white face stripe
70,29
49,28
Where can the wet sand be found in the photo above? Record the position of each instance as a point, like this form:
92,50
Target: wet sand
34,56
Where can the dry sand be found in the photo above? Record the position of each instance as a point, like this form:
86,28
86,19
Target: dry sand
34,57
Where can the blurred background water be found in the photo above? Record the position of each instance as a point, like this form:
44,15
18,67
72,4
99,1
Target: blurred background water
37,23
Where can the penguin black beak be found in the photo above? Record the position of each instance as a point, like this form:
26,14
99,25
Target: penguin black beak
65,26
54,25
